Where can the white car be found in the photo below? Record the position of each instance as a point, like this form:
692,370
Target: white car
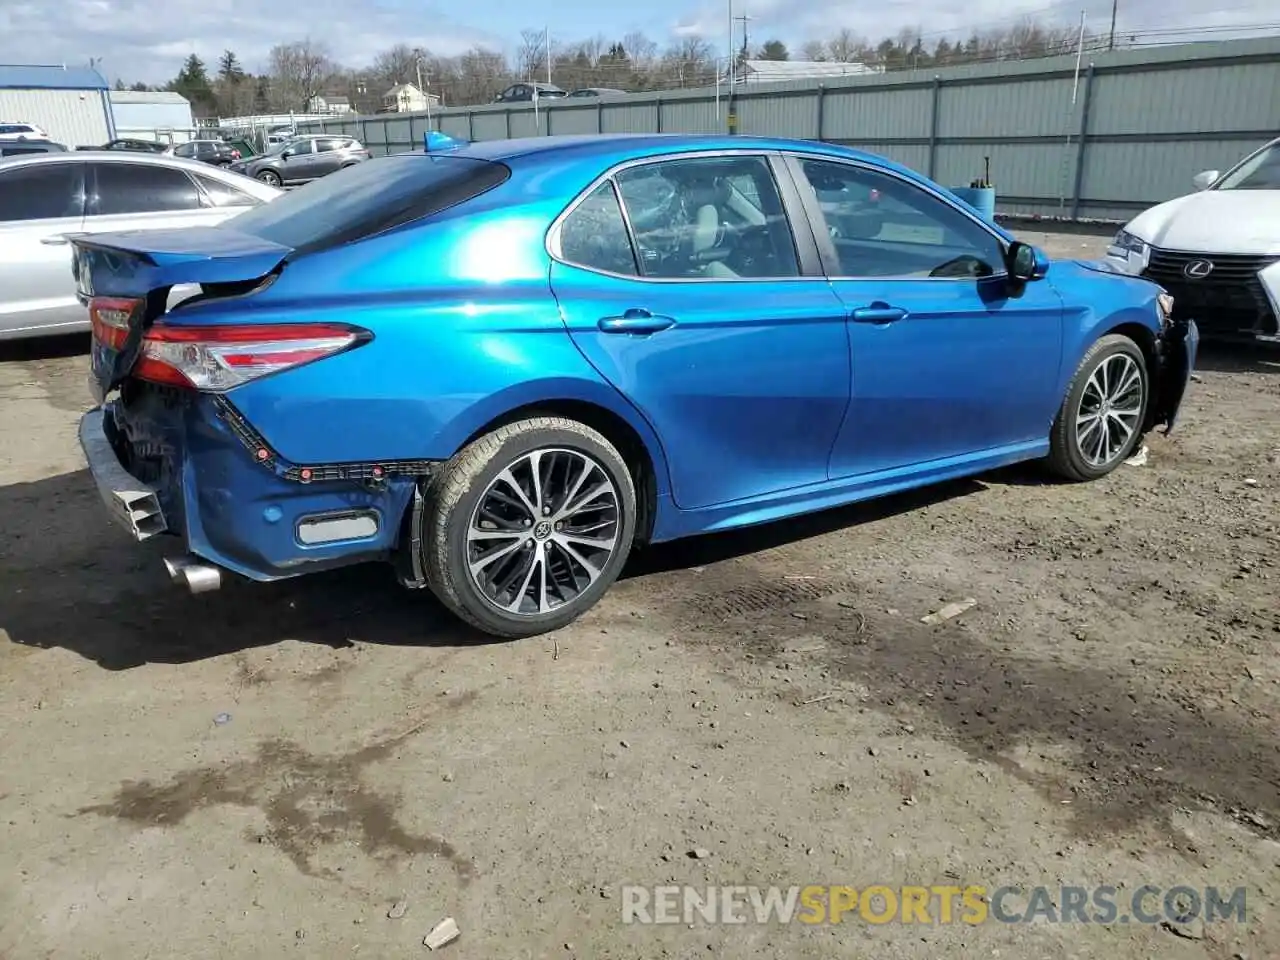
10,130
44,197
1217,251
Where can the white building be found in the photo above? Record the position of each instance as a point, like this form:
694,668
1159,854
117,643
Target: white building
152,115
783,71
406,98
328,105
69,103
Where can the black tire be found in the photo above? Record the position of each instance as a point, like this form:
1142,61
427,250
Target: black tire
455,495
1067,457
270,178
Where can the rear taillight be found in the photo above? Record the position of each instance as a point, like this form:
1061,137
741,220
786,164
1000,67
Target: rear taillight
109,318
235,154
219,358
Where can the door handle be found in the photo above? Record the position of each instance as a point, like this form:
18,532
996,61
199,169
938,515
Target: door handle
635,321
878,313
54,241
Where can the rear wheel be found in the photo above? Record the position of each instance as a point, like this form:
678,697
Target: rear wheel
528,526
1100,421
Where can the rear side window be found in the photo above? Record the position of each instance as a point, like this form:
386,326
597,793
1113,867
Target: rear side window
137,188
595,236
370,198
224,195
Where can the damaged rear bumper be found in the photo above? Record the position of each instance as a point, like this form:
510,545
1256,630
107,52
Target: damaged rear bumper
180,466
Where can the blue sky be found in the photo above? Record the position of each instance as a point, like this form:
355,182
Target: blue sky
147,40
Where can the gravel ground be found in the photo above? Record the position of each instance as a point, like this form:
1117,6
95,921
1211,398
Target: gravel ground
270,768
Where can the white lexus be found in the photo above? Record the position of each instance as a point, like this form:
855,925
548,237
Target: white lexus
1217,251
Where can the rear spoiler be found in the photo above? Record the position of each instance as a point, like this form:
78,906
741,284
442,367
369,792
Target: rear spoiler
134,263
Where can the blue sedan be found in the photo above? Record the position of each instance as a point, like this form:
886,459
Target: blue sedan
502,366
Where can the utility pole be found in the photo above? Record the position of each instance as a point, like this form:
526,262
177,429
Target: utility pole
1111,40
745,20
731,57
547,32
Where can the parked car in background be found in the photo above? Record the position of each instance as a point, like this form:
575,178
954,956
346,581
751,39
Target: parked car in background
1217,251
502,365
219,153
45,198
26,148
16,130
597,92
303,159
131,143
525,92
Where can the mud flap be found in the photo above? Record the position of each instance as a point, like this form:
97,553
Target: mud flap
1178,359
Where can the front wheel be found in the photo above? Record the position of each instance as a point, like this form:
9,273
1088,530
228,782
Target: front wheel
270,178
528,526
1100,421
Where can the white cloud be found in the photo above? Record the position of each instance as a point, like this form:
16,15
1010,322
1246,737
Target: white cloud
795,21
147,41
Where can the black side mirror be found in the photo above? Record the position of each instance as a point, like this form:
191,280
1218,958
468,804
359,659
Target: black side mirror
1025,262
286,154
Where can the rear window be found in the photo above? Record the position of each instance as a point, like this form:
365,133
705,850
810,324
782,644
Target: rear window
370,198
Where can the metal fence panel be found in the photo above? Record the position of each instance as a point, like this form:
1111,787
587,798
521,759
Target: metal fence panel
1128,130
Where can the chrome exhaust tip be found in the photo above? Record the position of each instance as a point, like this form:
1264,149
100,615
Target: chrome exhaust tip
195,576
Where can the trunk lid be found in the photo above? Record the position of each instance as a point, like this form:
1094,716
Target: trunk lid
125,278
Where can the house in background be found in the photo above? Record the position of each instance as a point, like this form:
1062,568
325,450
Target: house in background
406,98
323,103
152,115
783,71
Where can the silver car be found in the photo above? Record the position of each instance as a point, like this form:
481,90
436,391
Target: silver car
44,197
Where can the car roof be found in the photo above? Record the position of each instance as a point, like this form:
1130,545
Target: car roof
620,147
112,156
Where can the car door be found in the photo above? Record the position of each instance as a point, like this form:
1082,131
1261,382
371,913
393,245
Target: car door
328,158
299,165
711,317
39,204
949,360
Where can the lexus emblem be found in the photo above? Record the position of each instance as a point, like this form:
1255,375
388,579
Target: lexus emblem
1198,269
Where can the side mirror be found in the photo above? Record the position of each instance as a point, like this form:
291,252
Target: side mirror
1026,263
286,154
1204,179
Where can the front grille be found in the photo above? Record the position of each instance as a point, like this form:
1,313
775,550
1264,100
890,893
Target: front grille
1229,300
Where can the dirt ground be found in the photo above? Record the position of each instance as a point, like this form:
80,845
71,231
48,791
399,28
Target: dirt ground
1107,714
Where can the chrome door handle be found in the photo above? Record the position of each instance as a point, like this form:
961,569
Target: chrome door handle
635,321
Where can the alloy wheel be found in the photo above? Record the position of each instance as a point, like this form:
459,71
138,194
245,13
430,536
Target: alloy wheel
543,531
1110,405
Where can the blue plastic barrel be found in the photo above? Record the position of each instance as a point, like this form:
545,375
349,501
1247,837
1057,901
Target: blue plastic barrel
982,199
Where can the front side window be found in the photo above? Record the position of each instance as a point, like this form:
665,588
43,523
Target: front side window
595,236
882,226
300,148
41,192
708,217
123,188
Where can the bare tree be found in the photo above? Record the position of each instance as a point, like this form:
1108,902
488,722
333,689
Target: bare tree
531,55
847,47
299,71
397,65
813,50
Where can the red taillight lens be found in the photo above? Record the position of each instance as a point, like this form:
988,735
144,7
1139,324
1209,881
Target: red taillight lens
219,358
109,318
235,154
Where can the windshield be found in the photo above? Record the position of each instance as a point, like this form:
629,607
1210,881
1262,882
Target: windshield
1261,171
369,198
